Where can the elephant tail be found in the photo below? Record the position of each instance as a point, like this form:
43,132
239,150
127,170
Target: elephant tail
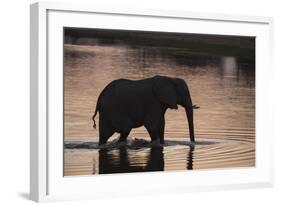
93,118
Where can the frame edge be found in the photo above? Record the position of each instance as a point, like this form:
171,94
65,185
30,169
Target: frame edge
38,103
34,151
186,14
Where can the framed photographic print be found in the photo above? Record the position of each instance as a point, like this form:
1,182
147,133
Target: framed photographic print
129,101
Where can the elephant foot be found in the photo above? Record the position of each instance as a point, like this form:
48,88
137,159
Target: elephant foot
156,143
192,143
122,142
102,145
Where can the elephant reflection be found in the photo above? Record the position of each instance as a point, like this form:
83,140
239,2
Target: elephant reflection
117,161
189,160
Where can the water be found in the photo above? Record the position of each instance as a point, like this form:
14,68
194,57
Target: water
223,87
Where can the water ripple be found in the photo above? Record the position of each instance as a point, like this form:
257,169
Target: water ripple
214,151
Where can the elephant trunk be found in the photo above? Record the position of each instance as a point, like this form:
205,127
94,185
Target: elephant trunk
189,116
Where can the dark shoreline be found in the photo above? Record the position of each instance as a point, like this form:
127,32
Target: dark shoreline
215,45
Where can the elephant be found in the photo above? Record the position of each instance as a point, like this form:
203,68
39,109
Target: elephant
126,104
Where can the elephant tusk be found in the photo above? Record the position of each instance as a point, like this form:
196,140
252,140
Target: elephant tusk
195,107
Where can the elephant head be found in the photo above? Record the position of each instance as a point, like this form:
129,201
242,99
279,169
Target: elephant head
173,92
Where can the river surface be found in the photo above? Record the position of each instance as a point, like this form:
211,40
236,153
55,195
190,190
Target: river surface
223,87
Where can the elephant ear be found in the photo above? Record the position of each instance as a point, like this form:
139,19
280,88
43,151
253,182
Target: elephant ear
165,92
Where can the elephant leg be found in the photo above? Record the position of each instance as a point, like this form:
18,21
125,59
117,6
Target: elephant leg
153,130
124,135
105,130
155,123
124,126
161,130
153,133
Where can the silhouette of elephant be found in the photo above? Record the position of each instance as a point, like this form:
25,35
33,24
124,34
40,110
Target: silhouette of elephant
126,104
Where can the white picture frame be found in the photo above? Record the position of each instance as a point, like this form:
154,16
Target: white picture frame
46,142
